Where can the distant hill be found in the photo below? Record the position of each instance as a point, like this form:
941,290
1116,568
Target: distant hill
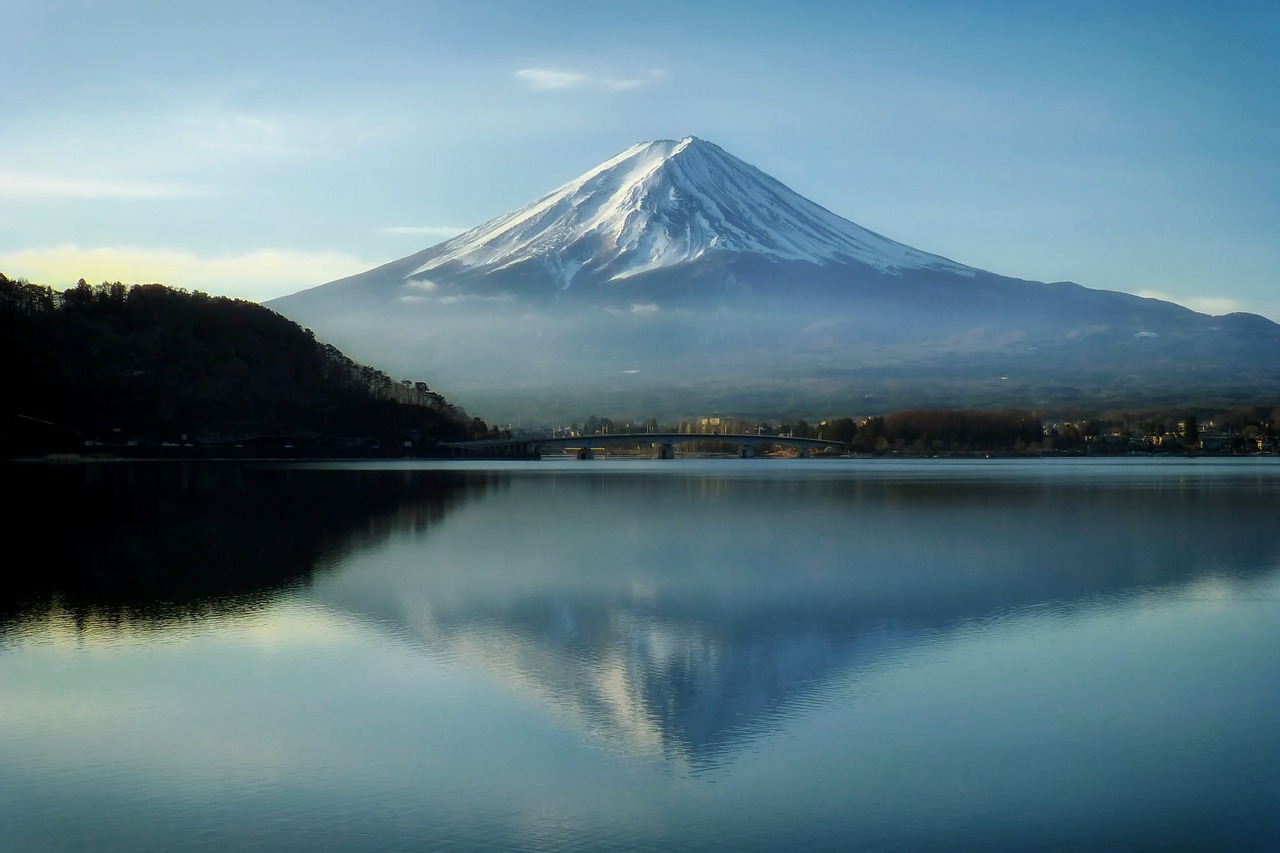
149,365
675,279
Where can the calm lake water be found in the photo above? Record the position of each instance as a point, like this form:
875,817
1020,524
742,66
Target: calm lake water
678,655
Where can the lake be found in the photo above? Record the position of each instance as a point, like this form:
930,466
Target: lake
639,654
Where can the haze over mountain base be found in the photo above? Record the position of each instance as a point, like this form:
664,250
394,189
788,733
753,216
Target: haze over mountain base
675,279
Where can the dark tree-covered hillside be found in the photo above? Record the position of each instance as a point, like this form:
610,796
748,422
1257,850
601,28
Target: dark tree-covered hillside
149,364
951,430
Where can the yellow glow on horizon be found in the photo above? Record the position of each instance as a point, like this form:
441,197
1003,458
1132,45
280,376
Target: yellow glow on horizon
257,275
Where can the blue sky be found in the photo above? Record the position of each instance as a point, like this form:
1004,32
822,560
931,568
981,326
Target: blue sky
256,148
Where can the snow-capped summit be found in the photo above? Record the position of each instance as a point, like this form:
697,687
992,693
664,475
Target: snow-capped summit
674,278
663,203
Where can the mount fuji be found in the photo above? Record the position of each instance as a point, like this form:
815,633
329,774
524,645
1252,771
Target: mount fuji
675,279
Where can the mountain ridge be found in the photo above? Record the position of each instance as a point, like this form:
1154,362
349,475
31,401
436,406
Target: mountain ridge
722,287
618,211
149,364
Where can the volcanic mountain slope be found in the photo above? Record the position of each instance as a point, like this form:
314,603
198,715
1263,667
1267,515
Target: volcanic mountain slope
674,278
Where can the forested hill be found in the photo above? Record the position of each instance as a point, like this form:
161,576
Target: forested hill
147,365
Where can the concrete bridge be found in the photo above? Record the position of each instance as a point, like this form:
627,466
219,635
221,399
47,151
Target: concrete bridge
665,442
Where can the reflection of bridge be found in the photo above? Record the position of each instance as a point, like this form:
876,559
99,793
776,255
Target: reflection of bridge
665,442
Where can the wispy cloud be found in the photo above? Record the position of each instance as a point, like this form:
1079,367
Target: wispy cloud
457,298
37,185
245,133
441,231
275,136
1218,305
639,309
257,275
551,79
1204,304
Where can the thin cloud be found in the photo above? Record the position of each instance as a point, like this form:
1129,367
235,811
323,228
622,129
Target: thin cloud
240,134
551,79
35,185
257,275
1218,305
441,231
473,297
1214,305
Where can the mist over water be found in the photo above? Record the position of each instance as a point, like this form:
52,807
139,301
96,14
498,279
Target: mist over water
758,654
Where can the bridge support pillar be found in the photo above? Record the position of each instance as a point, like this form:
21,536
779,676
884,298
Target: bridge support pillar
746,451
586,453
802,453
666,451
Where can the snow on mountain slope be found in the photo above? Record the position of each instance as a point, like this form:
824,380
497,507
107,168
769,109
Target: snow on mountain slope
663,203
676,278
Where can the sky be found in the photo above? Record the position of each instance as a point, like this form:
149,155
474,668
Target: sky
254,149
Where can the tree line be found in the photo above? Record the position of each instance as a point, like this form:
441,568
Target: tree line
1241,430
149,363
933,430
945,430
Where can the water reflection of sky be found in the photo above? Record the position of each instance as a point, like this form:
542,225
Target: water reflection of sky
675,612
618,655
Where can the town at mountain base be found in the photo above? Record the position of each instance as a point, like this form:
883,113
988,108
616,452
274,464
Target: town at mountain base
675,278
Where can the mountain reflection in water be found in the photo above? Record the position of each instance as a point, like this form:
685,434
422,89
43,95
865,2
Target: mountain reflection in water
684,655
677,614
670,614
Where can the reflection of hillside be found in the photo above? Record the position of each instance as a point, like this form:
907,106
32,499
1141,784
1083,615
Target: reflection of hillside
145,542
675,616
